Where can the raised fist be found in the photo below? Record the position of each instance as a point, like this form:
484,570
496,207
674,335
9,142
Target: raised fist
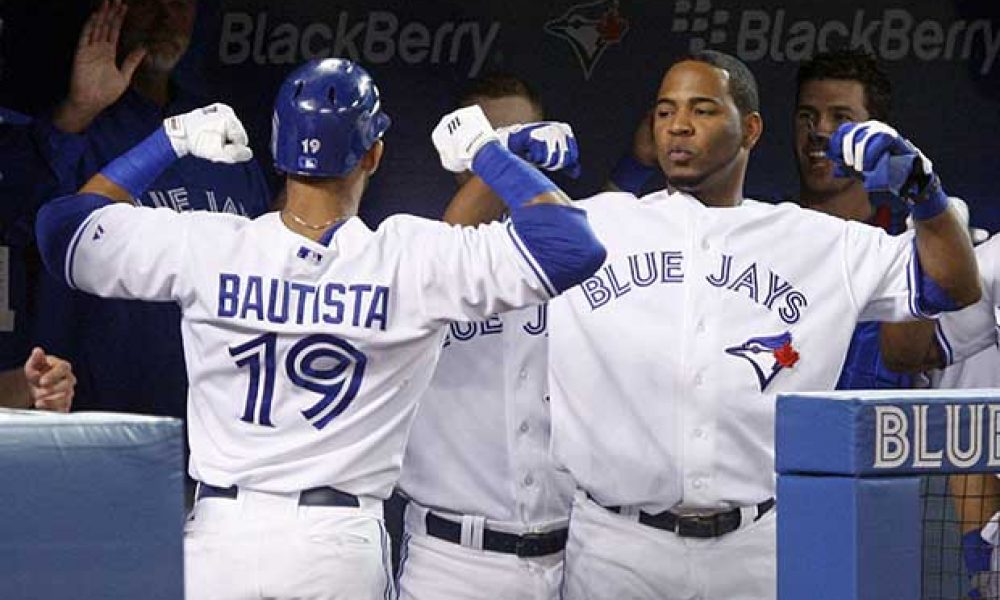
550,145
883,159
212,132
459,135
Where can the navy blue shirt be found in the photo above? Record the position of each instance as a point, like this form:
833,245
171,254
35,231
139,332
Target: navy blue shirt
25,180
128,355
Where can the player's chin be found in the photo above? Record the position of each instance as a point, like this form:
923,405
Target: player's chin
685,179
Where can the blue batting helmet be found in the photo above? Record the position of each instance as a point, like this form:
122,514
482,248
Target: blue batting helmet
326,116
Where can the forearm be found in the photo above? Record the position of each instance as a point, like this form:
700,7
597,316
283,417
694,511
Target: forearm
14,389
102,186
976,498
947,258
910,347
474,203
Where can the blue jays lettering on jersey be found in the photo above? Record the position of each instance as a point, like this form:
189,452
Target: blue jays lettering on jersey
128,355
616,279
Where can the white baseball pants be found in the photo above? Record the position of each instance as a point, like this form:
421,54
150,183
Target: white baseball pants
614,556
262,545
433,569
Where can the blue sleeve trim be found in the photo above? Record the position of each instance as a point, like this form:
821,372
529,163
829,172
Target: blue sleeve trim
559,240
138,168
944,345
528,258
513,179
59,229
927,298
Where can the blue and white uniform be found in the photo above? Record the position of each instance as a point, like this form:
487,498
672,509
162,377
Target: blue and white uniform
306,359
664,367
488,509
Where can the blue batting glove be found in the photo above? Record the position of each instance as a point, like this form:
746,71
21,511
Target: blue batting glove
883,159
550,145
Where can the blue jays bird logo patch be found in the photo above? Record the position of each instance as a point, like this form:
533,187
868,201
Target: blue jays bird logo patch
768,355
590,28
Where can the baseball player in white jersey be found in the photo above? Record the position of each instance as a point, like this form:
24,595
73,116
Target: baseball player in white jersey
965,350
664,365
487,510
309,337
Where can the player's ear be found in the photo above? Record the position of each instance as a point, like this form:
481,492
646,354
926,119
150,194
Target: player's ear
370,161
753,127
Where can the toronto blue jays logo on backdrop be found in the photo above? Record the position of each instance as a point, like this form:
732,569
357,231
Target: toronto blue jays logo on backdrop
590,28
768,355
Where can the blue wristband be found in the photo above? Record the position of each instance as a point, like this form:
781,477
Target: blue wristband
138,168
513,179
932,202
630,175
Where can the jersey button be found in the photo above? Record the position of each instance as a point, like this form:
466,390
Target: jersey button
697,484
523,374
700,327
698,379
524,427
705,245
528,480
699,433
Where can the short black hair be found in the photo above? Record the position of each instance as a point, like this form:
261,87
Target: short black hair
742,83
851,65
499,85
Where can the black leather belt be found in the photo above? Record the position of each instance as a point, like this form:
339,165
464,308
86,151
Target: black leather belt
698,526
527,545
320,496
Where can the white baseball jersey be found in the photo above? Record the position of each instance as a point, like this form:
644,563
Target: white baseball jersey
666,362
305,360
973,329
480,442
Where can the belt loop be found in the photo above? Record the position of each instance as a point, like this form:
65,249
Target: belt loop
748,514
631,512
416,517
472,531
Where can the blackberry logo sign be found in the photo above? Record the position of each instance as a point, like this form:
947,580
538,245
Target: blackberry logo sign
696,18
376,37
891,34
590,29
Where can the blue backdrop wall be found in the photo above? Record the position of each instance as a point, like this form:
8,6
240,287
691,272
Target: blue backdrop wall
596,65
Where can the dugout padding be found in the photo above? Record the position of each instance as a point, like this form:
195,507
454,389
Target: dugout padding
91,506
849,469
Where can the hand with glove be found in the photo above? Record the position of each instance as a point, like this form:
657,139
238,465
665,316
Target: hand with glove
460,135
550,145
212,132
886,161
466,141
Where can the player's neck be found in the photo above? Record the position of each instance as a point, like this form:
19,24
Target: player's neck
315,205
851,204
722,189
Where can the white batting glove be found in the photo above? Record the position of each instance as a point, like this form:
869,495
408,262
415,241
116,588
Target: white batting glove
212,132
459,135
550,145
